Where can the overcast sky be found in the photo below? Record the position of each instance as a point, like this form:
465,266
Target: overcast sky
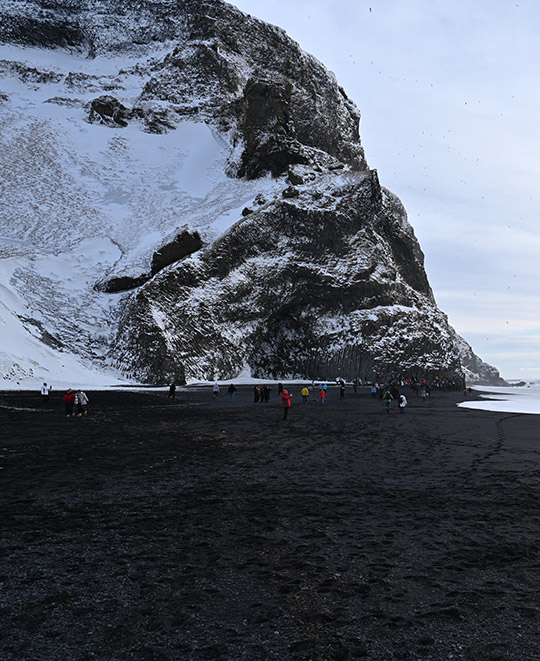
449,92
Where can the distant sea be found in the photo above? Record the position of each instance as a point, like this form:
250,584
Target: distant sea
518,399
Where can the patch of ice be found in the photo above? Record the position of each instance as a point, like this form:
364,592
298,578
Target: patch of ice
507,400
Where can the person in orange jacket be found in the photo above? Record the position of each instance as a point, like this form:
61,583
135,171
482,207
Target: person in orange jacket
285,403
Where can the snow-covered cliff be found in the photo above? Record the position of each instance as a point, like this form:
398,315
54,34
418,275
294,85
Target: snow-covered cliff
184,194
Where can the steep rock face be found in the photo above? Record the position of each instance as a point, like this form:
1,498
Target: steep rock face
475,369
230,218
329,282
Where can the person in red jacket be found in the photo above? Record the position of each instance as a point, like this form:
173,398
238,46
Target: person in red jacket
285,403
69,400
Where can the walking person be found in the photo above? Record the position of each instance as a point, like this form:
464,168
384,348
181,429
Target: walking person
44,394
215,390
69,401
232,391
305,394
322,395
172,391
285,403
387,398
402,402
81,403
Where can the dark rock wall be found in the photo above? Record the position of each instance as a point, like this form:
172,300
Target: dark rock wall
289,291
186,243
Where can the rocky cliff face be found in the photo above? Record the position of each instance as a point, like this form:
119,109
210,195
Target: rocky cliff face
242,225
325,280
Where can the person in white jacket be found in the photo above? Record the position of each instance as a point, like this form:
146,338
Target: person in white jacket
81,402
402,401
45,389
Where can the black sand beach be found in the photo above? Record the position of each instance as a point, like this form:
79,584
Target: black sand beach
192,529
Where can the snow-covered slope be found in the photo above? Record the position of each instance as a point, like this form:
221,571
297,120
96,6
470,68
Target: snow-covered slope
80,201
184,195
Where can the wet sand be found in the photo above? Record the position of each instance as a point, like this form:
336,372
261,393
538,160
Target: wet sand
194,529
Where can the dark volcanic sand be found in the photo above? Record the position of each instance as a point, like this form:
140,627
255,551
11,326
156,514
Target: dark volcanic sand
196,529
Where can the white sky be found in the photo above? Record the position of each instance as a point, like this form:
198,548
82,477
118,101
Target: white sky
449,92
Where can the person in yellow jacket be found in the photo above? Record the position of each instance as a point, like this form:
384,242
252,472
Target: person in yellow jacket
305,394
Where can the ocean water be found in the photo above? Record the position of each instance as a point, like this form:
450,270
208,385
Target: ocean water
518,399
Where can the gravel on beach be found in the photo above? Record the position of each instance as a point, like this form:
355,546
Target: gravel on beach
159,529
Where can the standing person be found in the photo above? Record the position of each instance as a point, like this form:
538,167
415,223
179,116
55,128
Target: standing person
232,391
402,403
373,392
262,394
356,384
215,390
342,390
322,395
172,391
44,394
266,393
81,402
387,397
285,403
305,394
69,401
423,394
256,393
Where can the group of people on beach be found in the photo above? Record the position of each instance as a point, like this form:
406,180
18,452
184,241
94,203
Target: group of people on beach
75,401
261,393
387,392
388,395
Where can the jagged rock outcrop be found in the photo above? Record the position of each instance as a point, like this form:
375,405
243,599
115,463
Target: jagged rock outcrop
330,282
181,246
184,244
265,241
475,369
109,111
